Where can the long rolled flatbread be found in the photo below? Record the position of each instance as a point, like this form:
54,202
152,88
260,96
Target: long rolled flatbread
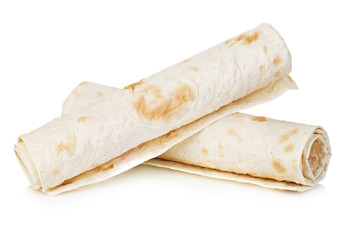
251,149
112,135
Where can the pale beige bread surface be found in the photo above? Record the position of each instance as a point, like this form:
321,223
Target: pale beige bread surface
240,147
65,153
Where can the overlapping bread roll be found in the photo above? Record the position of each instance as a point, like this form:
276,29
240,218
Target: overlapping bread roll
240,147
114,134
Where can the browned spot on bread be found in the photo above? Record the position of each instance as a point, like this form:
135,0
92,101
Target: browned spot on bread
104,167
204,152
227,41
168,136
232,132
82,119
266,49
259,119
83,83
248,39
262,68
100,94
163,107
220,146
277,74
68,145
55,172
276,61
232,44
252,38
278,166
289,148
66,182
142,146
133,85
192,68
285,137
184,61
240,37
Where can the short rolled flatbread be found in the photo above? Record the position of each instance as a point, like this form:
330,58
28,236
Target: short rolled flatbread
271,153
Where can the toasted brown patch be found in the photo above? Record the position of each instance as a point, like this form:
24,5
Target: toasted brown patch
276,61
100,94
184,61
168,136
285,137
55,172
259,119
277,74
289,148
278,166
68,145
252,38
83,83
104,167
227,41
192,68
240,37
248,39
220,146
233,132
66,182
162,107
232,42
262,68
204,152
82,119
133,85
266,49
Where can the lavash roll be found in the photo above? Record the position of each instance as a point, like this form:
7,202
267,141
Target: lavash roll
240,147
252,149
68,152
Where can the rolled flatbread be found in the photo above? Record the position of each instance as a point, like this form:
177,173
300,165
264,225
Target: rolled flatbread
252,149
240,147
112,135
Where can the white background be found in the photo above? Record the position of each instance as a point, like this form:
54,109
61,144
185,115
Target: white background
48,47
